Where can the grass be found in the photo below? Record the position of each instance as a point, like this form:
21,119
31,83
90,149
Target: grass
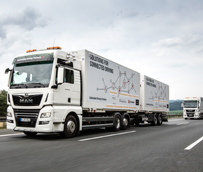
175,112
2,125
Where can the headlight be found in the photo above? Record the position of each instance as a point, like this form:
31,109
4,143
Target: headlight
45,115
9,114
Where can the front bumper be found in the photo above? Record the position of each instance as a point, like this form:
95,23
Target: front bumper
36,124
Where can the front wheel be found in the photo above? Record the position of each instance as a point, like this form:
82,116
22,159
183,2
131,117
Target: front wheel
70,127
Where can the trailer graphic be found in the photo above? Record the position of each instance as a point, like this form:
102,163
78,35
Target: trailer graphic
121,88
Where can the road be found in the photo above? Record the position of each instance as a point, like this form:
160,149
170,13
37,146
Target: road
140,148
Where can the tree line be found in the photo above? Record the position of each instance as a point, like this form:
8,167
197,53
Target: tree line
3,102
176,105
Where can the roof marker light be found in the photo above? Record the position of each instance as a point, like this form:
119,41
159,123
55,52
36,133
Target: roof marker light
28,51
56,47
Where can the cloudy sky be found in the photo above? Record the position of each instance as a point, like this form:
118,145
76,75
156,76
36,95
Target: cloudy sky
159,38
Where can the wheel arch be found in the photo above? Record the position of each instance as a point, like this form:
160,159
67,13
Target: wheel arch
76,117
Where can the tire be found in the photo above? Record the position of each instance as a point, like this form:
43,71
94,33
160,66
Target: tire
159,120
153,123
30,134
125,122
117,123
70,127
185,118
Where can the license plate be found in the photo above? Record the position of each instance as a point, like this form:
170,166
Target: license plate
25,119
190,115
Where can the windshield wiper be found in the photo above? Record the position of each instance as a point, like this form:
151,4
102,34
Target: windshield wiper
37,83
18,85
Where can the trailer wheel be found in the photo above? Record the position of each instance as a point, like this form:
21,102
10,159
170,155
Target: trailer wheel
153,123
30,134
125,122
117,122
159,120
70,127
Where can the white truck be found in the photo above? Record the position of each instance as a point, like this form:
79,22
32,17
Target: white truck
52,90
193,108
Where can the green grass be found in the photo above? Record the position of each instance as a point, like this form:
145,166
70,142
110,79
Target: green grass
175,112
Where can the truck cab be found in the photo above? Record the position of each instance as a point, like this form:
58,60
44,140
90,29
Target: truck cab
193,108
44,86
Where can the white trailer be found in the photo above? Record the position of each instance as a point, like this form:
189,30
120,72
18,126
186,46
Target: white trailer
193,108
53,90
154,101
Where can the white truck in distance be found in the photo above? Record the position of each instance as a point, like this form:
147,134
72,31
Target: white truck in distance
52,90
193,108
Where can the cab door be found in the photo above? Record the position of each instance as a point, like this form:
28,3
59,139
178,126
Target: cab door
68,92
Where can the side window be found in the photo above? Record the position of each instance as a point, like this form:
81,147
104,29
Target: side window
68,76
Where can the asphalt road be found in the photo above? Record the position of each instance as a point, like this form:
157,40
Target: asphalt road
140,148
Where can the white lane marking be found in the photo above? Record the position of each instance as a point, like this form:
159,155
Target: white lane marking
182,123
5,135
194,144
93,138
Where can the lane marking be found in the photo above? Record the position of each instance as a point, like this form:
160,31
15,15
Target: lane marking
182,123
93,138
194,144
5,135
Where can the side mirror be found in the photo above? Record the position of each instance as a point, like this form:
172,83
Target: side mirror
60,75
181,104
7,70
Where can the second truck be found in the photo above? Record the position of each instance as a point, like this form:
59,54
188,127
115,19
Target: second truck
52,90
193,108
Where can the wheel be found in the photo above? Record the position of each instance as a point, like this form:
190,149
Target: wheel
30,134
70,127
117,123
153,123
125,123
185,118
159,120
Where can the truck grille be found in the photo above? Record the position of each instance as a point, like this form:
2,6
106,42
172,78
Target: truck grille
26,117
190,114
29,100
190,111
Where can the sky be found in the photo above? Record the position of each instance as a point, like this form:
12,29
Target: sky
162,39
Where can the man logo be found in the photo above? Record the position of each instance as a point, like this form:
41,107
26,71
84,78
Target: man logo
26,101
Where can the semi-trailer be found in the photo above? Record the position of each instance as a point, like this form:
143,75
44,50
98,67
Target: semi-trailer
53,90
193,108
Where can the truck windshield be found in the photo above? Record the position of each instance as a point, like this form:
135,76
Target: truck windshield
31,74
190,104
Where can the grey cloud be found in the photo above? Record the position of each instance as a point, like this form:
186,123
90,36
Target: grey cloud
2,33
176,65
192,41
128,13
27,19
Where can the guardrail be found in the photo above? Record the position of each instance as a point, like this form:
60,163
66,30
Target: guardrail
3,119
177,115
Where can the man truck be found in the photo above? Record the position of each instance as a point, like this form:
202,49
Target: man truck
65,92
193,108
